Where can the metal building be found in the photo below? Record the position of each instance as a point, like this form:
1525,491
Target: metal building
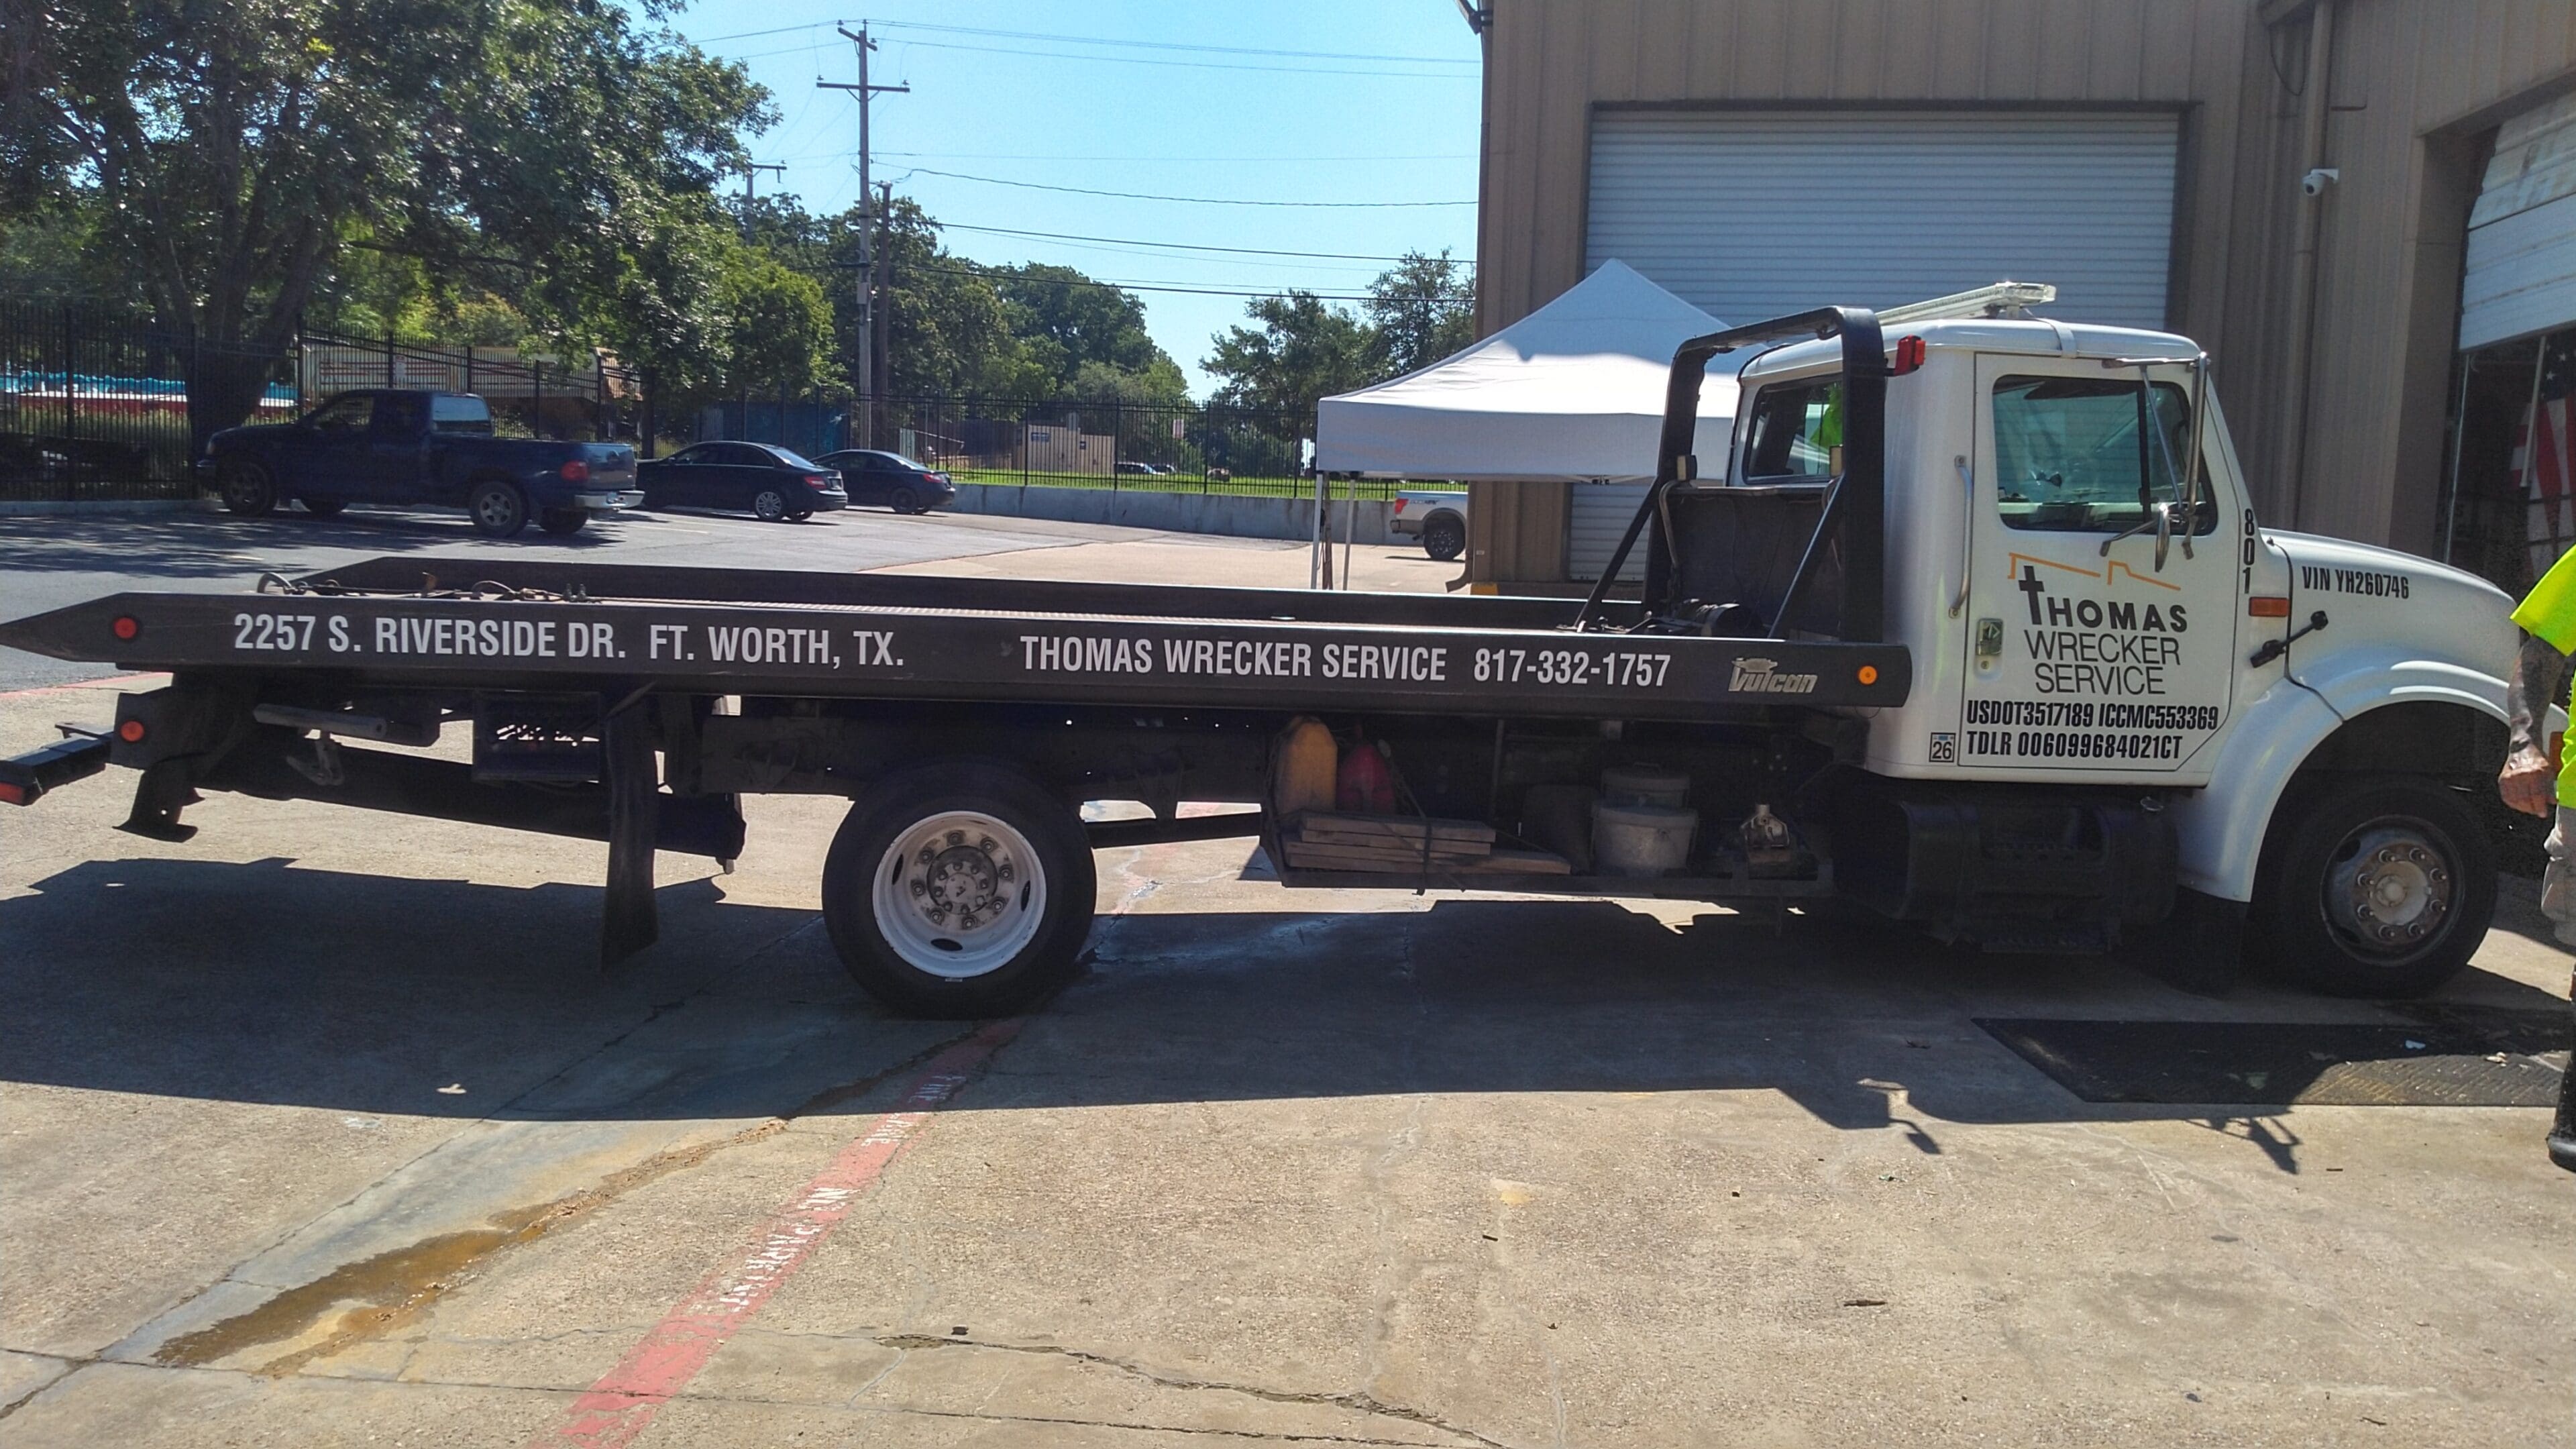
2395,338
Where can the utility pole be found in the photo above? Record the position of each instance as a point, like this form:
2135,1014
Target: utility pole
867,238
748,168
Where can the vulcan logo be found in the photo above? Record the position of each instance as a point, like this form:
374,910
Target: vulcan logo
1763,676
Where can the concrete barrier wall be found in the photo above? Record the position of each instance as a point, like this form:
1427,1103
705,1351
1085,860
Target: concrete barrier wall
1227,514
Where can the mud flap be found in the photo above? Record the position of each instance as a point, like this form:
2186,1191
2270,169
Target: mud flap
629,923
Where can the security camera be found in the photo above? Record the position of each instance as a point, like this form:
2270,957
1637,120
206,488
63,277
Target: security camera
2316,182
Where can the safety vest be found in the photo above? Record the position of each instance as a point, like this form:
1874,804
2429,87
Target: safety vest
2549,613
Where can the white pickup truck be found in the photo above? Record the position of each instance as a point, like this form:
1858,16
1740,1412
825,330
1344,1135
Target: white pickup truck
1437,516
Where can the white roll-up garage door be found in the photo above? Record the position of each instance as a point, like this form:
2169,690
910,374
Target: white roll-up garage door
2521,271
1754,214
1596,514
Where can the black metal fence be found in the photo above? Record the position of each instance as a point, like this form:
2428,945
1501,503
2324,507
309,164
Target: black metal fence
94,405
1048,442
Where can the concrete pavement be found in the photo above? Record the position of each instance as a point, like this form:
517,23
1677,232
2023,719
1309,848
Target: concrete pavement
324,1128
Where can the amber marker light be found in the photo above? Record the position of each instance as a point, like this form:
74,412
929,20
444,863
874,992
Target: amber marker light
1869,674
2268,606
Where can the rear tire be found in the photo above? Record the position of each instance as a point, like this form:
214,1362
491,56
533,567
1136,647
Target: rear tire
1444,537
324,507
249,490
2375,886
498,508
800,515
769,506
563,522
904,500
959,890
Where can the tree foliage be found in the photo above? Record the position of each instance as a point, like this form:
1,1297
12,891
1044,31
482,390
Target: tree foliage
229,153
1418,311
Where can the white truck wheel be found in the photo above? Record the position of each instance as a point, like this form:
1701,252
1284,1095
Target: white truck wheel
959,890
2374,886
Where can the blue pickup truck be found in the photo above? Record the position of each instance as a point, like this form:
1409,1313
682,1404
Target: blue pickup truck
387,446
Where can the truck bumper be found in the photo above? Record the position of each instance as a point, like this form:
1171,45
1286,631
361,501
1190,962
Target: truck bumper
610,502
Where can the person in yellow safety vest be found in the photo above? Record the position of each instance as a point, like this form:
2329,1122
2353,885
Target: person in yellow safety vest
2529,783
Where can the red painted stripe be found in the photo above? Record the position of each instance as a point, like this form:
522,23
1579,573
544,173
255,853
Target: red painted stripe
624,1402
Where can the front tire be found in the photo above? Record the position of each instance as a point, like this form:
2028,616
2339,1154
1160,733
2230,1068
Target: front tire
249,490
2374,886
959,890
498,508
563,522
1444,538
325,507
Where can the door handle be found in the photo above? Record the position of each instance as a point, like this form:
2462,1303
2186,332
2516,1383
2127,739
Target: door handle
1967,526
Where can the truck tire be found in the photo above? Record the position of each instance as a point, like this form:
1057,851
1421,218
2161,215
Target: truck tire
769,505
563,522
324,507
1444,536
498,508
959,890
249,489
2375,886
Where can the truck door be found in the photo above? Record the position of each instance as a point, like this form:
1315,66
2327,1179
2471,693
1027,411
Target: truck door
2085,661
397,447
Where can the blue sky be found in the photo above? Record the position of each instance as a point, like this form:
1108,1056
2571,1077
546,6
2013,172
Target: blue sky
1208,99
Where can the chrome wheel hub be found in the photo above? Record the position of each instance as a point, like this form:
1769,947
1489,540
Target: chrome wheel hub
2390,888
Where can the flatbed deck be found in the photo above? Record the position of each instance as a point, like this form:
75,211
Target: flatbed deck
506,624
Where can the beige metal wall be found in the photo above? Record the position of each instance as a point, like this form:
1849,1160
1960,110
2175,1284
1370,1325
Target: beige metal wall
2417,87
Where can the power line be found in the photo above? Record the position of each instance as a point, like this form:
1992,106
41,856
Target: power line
998,274
809,49
1175,45
1179,246
1104,41
1196,200
1131,157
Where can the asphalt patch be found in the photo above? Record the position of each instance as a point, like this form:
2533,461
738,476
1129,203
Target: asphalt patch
2446,1057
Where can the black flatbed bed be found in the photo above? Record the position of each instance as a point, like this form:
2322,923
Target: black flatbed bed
546,625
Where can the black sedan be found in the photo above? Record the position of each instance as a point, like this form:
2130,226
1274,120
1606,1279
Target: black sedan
768,481
876,476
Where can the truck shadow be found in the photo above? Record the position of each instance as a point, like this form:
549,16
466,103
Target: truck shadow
264,983
193,546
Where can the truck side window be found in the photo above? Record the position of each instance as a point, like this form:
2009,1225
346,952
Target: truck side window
460,413
399,417
2067,453
1795,429
344,415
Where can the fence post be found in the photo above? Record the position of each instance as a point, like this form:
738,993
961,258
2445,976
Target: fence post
389,356
71,361
537,398
469,367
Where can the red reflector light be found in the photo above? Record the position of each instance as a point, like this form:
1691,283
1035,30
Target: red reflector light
1400,502
125,626
817,480
2268,606
1909,354
11,794
576,471
131,732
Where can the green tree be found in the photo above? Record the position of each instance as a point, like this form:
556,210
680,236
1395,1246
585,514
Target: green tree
562,151
778,327
1068,321
1303,350
1420,310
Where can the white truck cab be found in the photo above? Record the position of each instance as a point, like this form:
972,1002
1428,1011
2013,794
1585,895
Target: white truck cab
2094,609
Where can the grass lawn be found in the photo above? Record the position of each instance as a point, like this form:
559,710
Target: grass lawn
1272,487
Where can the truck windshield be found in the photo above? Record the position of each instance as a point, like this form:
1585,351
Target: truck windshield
454,414
2067,454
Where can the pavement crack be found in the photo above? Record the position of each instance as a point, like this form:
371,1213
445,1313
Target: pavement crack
70,1363
1357,1400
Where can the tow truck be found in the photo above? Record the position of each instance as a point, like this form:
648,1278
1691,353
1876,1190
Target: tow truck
1971,624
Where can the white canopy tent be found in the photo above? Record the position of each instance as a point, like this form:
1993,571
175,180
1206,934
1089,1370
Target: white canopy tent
1573,391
